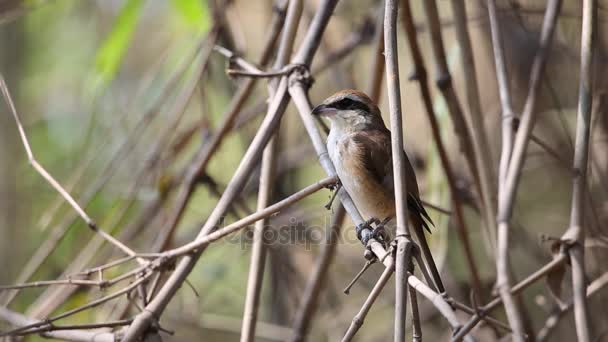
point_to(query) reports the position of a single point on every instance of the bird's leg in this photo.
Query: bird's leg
(364, 230)
(335, 188)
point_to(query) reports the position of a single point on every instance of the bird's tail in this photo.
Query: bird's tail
(416, 208)
(419, 223)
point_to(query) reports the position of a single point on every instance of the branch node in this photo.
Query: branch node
(443, 81)
(300, 73)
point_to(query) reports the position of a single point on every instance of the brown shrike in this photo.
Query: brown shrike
(359, 145)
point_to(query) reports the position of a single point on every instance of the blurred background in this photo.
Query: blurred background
(115, 105)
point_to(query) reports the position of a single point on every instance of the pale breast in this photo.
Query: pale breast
(368, 195)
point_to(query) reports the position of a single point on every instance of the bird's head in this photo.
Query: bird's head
(350, 110)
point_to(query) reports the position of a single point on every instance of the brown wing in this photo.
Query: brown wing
(375, 145)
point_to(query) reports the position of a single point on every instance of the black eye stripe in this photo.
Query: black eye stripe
(349, 104)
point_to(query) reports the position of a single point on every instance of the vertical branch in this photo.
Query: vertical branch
(502, 263)
(504, 93)
(374, 88)
(417, 334)
(258, 251)
(575, 234)
(258, 254)
(528, 117)
(311, 294)
(444, 83)
(481, 147)
(506, 196)
(420, 75)
(404, 245)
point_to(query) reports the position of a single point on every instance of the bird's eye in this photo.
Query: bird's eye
(350, 104)
(344, 104)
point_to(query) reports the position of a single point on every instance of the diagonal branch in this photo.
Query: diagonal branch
(357, 321)
(481, 147)
(551, 322)
(267, 128)
(258, 254)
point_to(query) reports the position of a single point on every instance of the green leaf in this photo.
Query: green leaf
(193, 13)
(112, 50)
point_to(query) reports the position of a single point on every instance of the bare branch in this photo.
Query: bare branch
(551, 322)
(481, 147)
(357, 322)
(506, 197)
(575, 235)
(404, 244)
(76, 336)
(206, 239)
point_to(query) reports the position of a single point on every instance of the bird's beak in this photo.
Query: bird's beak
(323, 110)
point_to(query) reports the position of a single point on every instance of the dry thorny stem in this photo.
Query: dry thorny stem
(160, 273)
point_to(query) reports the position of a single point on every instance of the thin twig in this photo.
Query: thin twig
(126, 146)
(87, 306)
(472, 311)
(47, 176)
(531, 279)
(51, 300)
(554, 318)
(206, 239)
(43, 283)
(19, 320)
(357, 321)
(55, 327)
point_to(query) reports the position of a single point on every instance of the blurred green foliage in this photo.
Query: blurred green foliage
(113, 48)
(194, 13)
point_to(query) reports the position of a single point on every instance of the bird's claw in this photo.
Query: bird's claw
(365, 231)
